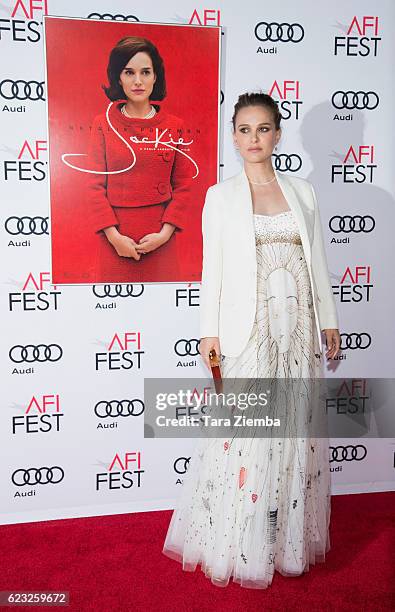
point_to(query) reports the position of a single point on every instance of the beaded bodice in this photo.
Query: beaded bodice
(276, 228)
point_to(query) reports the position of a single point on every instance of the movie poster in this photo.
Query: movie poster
(133, 116)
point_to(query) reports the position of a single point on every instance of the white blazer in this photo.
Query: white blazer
(229, 273)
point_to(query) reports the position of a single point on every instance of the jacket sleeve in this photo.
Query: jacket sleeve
(211, 267)
(326, 306)
(101, 213)
(181, 179)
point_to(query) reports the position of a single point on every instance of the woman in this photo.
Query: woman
(140, 171)
(252, 504)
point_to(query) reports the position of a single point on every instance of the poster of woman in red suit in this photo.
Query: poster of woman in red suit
(141, 165)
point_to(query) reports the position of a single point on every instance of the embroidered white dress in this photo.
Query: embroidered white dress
(253, 505)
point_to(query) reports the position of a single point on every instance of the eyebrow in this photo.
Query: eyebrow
(247, 124)
(144, 68)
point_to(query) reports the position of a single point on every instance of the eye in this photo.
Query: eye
(264, 129)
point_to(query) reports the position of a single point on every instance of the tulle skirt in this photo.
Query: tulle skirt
(253, 505)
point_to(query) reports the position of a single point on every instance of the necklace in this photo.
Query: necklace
(148, 116)
(264, 183)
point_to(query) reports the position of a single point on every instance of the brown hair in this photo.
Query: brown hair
(120, 55)
(257, 99)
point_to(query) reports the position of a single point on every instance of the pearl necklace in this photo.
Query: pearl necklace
(148, 116)
(264, 183)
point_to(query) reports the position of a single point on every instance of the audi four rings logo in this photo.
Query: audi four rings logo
(103, 291)
(34, 476)
(181, 465)
(348, 224)
(187, 347)
(26, 226)
(291, 162)
(110, 17)
(348, 453)
(31, 353)
(355, 341)
(279, 32)
(116, 408)
(355, 100)
(22, 90)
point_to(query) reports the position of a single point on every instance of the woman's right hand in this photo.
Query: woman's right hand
(124, 245)
(205, 346)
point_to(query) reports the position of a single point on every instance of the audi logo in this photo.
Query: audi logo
(116, 408)
(22, 90)
(355, 341)
(181, 465)
(355, 100)
(348, 224)
(26, 226)
(291, 162)
(31, 353)
(222, 97)
(34, 476)
(279, 32)
(187, 347)
(103, 291)
(108, 16)
(348, 453)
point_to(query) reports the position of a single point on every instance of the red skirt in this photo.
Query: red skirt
(160, 265)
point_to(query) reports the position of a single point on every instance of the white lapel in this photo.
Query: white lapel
(244, 208)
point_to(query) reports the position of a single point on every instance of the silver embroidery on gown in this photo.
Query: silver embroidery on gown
(250, 506)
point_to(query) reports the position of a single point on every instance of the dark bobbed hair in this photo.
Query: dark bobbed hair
(120, 55)
(257, 99)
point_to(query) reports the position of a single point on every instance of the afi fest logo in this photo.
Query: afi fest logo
(36, 294)
(289, 102)
(350, 398)
(355, 285)
(357, 166)
(122, 473)
(25, 22)
(41, 415)
(28, 166)
(210, 17)
(123, 353)
(361, 39)
(188, 297)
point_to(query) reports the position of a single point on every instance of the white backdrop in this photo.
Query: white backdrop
(52, 411)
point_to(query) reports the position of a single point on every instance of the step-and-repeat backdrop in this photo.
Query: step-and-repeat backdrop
(74, 358)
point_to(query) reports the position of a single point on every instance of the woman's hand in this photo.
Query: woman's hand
(332, 342)
(205, 346)
(124, 246)
(150, 242)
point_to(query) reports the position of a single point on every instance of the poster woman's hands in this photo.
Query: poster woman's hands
(124, 245)
(150, 242)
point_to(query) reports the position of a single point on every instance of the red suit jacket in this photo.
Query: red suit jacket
(161, 171)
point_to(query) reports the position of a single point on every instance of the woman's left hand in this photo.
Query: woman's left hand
(150, 242)
(332, 342)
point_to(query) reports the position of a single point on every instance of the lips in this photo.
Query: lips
(255, 149)
(137, 90)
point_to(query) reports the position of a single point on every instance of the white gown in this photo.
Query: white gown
(250, 506)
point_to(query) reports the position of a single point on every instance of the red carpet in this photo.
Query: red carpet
(115, 563)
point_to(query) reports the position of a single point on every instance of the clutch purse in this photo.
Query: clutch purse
(216, 370)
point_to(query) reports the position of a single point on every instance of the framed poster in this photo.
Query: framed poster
(133, 120)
